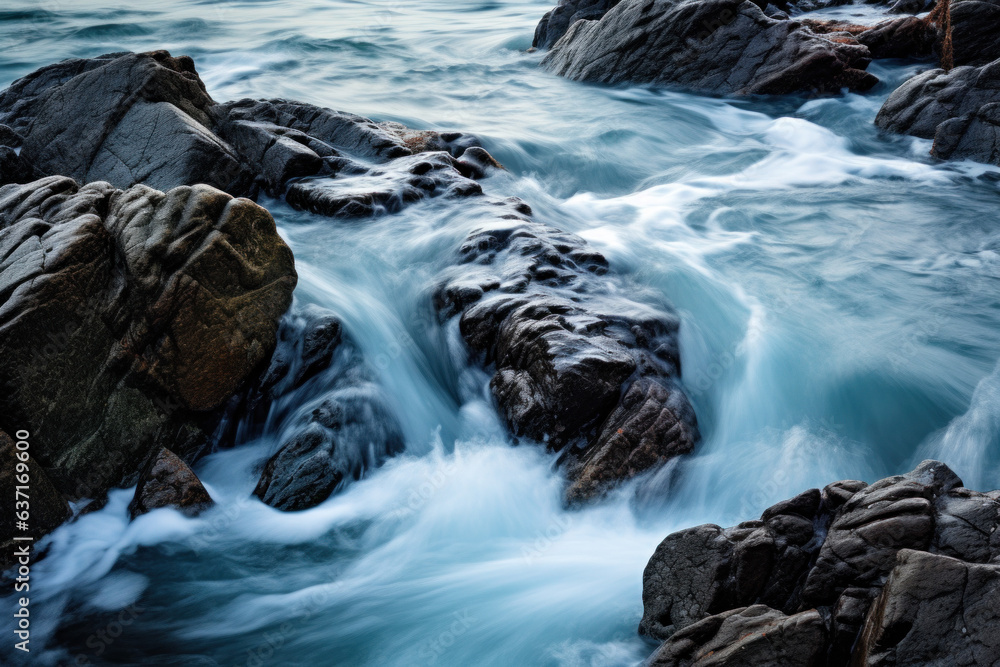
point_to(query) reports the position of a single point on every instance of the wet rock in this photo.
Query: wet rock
(14, 168)
(727, 47)
(905, 37)
(890, 561)
(130, 118)
(756, 636)
(575, 365)
(48, 508)
(975, 26)
(169, 482)
(125, 118)
(934, 610)
(558, 20)
(129, 318)
(334, 421)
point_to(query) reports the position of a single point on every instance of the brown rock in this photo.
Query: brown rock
(168, 482)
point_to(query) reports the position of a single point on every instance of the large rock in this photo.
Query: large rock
(975, 26)
(959, 110)
(128, 319)
(575, 365)
(754, 636)
(725, 47)
(934, 611)
(130, 118)
(904, 37)
(169, 482)
(332, 419)
(833, 551)
(558, 20)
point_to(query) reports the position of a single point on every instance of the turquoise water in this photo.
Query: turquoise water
(839, 300)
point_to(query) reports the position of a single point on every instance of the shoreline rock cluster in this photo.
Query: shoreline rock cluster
(904, 571)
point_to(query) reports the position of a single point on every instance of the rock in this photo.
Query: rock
(129, 318)
(726, 47)
(47, 508)
(125, 118)
(169, 482)
(934, 610)
(975, 25)
(754, 636)
(869, 529)
(14, 168)
(333, 419)
(558, 20)
(905, 37)
(911, 6)
(131, 118)
(583, 369)
(888, 561)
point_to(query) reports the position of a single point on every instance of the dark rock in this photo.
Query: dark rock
(131, 118)
(557, 20)
(129, 318)
(756, 636)
(975, 25)
(48, 508)
(934, 610)
(911, 6)
(333, 419)
(586, 371)
(169, 482)
(833, 552)
(717, 46)
(905, 37)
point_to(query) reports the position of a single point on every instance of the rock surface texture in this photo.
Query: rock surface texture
(558, 20)
(959, 110)
(575, 365)
(727, 47)
(169, 482)
(904, 571)
(130, 118)
(128, 318)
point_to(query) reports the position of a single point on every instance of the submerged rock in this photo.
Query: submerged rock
(727, 47)
(333, 420)
(128, 319)
(833, 551)
(130, 118)
(577, 366)
(169, 482)
(959, 110)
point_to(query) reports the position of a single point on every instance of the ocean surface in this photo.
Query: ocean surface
(840, 300)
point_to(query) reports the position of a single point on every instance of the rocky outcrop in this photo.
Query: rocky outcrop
(887, 562)
(128, 319)
(976, 28)
(575, 365)
(332, 419)
(727, 47)
(959, 110)
(130, 118)
(169, 482)
(905, 37)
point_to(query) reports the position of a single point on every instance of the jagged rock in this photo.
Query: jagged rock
(169, 482)
(332, 431)
(584, 370)
(557, 20)
(975, 26)
(832, 551)
(905, 37)
(125, 118)
(934, 611)
(130, 118)
(716, 46)
(756, 636)
(47, 508)
(128, 318)
(14, 168)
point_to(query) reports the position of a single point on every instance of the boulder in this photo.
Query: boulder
(130, 118)
(558, 20)
(892, 563)
(169, 482)
(933, 611)
(905, 37)
(128, 319)
(959, 109)
(574, 364)
(332, 419)
(726, 47)
(975, 25)
(754, 636)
